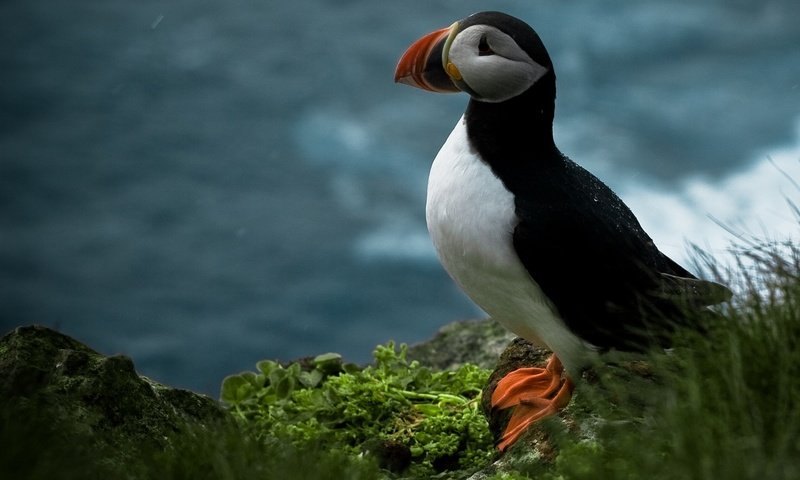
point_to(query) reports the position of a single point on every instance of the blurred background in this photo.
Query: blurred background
(204, 184)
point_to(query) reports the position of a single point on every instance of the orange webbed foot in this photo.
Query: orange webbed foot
(535, 393)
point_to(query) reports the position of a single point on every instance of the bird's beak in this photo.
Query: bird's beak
(423, 64)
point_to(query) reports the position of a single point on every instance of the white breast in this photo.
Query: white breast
(471, 220)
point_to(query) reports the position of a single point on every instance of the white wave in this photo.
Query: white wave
(752, 203)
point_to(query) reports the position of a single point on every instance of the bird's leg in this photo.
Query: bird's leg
(535, 392)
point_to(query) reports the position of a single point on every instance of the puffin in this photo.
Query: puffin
(535, 240)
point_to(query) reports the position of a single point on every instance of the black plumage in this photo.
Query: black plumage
(580, 243)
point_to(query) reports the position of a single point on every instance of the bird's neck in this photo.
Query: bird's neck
(515, 137)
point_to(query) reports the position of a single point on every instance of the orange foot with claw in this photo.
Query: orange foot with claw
(535, 392)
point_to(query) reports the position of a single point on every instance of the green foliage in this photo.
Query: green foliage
(395, 409)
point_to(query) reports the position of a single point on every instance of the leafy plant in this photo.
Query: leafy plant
(401, 413)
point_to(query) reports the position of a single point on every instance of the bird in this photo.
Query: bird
(538, 242)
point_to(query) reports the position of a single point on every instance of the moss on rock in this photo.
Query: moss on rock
(479, 342)
(81, 406)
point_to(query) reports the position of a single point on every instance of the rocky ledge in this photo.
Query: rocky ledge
(93, 416)
(83, 410)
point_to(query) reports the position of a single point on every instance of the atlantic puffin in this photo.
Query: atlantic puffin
(535, 240)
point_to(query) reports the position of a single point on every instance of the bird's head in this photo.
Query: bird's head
(489, 55)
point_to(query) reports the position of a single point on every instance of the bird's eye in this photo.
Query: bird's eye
(483, 47)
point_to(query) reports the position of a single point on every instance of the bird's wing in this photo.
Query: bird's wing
(691, 291)
(610, 283)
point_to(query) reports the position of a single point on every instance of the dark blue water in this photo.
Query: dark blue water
(203, 184)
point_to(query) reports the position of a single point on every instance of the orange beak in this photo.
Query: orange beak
(421, 65)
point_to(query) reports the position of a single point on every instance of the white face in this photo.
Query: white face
(492, 64)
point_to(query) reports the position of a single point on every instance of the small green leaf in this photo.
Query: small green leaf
(252, 379)
(293, 370)
(428, 409)
(310, 379)
(266, 366)
(235, 389)
(328, 363)
(276, 375)
(327, 357)
(284, 387)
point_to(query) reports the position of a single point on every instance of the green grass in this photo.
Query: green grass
(37, 444)
(728, 402)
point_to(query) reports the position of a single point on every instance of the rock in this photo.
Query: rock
(471, 341)
(519, 354)
(72, 404)
(617, 378)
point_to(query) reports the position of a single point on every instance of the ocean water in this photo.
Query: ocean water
(203, 184)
